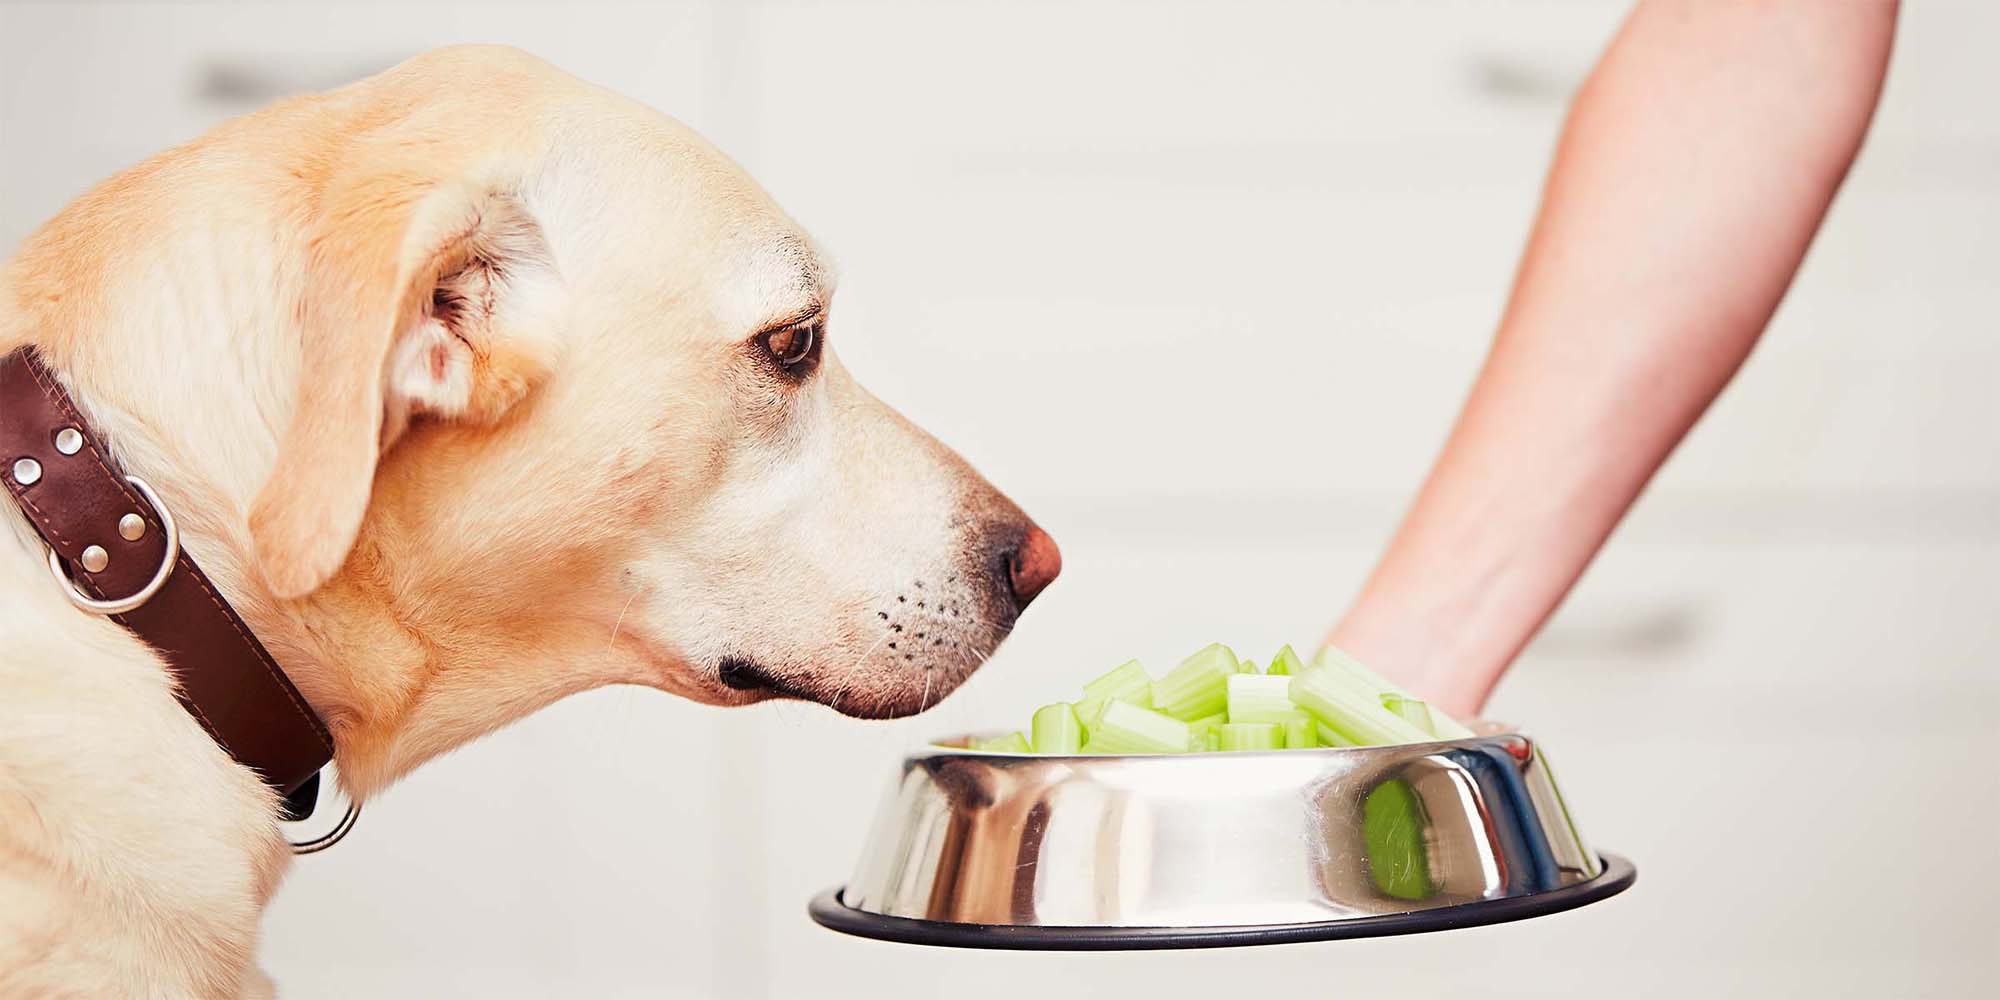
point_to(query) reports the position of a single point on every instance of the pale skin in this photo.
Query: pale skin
(1697, 163)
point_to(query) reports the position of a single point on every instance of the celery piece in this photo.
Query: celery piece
(1284, 662)
(1088, 712)
(1426, 717)
(1127, 728)
(1442, 726)
(1247, 667)
(1392, 834)
(1214, 741)
(1201, 729)
(1349, 707)
(1013, 742)
(1329, 737)
(1336, 658)
(1299, 734)
(1448, 728)
(1127, 681)
(1250, 736)
(1259, 698)
(1412, 710)
(1057, 729)
(1199, 686)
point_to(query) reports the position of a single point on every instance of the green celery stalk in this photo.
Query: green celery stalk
(1299, 734)
(1013, 742)
(1259, 698)
(1128, 728)
(1442, 725)
(1448, 728)
(1250, 736)
(1349, 707)
(1127, 681)
(1056, 729)
(1199, 686)
(1329, 737)
(1200, 729)
(1247, 667)
(1336, 658)
(1284, 662)
(1412, 710)
(1088, 712)
(1426, 717)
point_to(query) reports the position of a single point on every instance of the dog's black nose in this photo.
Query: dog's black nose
(1032, 565)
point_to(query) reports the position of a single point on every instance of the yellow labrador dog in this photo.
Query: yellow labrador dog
(472, 386)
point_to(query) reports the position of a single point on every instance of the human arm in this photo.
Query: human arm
(1696, 165)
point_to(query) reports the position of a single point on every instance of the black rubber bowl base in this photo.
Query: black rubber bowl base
(828, 911)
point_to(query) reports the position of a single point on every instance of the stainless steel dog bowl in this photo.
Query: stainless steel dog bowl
(996, 850)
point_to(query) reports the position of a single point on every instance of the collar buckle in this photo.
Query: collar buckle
(137, 600)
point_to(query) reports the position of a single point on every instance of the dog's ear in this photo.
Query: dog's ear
(421, 298)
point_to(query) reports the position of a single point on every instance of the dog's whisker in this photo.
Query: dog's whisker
(847, 677)
(620, 623)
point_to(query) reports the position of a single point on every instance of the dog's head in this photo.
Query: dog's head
(568, 411)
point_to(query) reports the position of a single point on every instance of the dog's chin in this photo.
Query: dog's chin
(856, 699)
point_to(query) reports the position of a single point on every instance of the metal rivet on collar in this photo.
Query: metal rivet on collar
(131, 527)
(69, 440)
(27, 472)
(94, 559)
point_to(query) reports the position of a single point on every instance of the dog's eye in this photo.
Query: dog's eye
(795, 347)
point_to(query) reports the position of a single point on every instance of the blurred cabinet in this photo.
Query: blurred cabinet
(88, 89)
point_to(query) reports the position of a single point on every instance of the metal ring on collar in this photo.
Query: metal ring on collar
(331, 837)
(137, 600)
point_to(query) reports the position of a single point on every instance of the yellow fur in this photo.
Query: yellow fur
(451, 378)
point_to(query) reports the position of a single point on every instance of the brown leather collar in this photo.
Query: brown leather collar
(111, 544)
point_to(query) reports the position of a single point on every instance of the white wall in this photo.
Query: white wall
(1243, 257)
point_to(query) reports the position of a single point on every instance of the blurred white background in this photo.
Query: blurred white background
(1200, 284)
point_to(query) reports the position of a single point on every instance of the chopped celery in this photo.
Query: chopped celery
(1337, 658)
(1215, 655)
(1329, 737)
(1334, 702)
(1259, 698)
(1448, 728)
(1299, 734)
(1013, 742)
(1412, 710)
(1057, 729)
(1250, 736)
(1426, 717)
(1441, 725)
(1284, 662)
(1349, 707)
(1444, 727)
(1128, 728)
(1199, 686)
(1201, 729)
(1088, 712)
(1127, 681)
